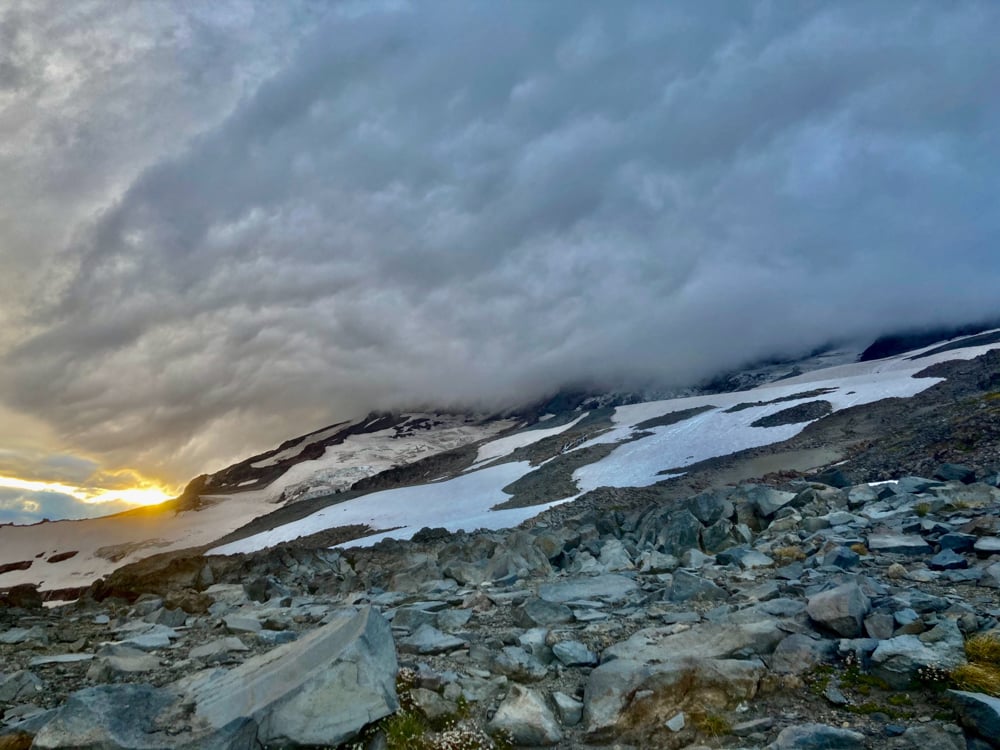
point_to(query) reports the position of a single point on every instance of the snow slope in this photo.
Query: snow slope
(506, 445)
(460, 503)
(133, 536)
(465, 501)
(717, 433)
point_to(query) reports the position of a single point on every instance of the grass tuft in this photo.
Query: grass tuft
(984, 648)
(712, 725)
(977, 678)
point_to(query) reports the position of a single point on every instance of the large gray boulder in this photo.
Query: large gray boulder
(673, 532)
(627, 698)
(841, 609)
(109, 717)
(319, 690)
(978, 712)
(899, 660)
(766, 500)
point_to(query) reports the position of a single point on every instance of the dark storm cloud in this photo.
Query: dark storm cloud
(474, 203)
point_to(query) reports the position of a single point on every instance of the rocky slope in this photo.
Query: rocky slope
(745, 605)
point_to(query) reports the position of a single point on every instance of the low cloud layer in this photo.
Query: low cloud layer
(227, 227)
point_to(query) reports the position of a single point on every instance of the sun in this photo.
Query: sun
(143, 496)
(148, 494)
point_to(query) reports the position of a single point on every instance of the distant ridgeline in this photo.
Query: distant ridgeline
(891, 344)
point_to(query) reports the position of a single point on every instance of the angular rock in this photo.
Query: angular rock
(957, 542)
(689, 587)
(842, 557)
(915, 485)
(987, 545)
(946, 737)
(237, 624)
(799, 653)
(955, 473)
(525, 717)
(611, 588)
(947, 559)
(109, 717)
(626, 697)
(432, 705)
(519, 665)
(718, 536)
(841, 609)
(673, 533)
(745, 557)
(218, 647)
(614, 556)
(19, 686)
(429, 640)
(707, 641)
(766, 500)
(901, 544)
(879, 625)
(574, 654)
(570, 710)
(977, 712)
(817, 737)
(538, 612)
(320, 690)
(899, 660)
(710, 507)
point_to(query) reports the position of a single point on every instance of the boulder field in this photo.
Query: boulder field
(798, 615)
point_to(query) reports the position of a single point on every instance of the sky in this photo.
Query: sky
(224, 224)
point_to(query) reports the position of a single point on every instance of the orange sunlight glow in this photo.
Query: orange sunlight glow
(150, 494)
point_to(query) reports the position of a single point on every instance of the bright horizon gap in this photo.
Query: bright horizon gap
(152, 494)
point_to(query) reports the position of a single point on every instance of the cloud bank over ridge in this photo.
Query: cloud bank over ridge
(232, 226)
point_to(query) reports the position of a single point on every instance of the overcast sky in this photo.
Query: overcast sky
(223, 224)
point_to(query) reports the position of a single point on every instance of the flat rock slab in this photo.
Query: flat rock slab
(708, 641)
(218, 646)
(987, 545)
(818, 737)
(610, 588)
(900, 544)
(430, 640)
(39, 661)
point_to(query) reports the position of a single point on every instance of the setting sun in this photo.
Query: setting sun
(150, 494)
(136, 496)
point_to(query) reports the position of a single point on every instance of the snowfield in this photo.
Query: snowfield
(464, 503)
(507, 445)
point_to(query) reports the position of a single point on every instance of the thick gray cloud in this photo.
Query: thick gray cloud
(233, 228)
